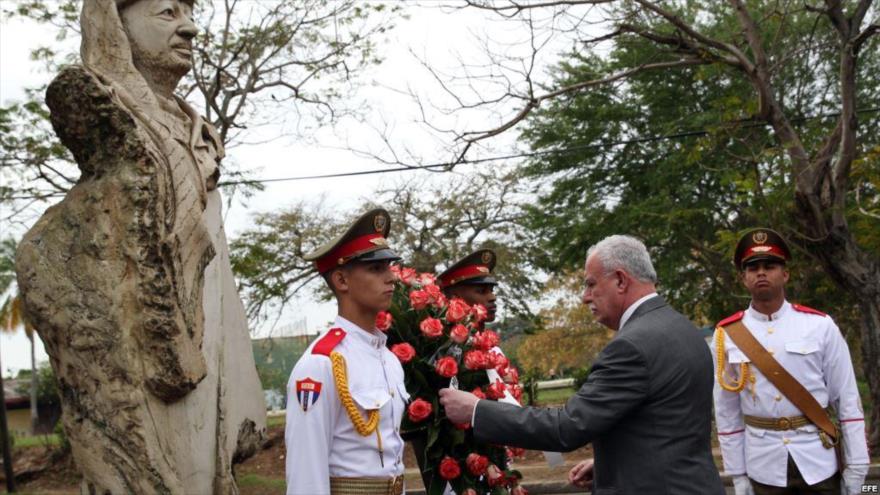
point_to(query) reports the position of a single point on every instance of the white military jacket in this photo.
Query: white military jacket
(321, 439)
(811, 348)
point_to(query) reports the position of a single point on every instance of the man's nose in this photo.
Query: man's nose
(188, 29)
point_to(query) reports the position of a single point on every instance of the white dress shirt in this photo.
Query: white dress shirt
(812, 349)
(632, 309)
(322, 441)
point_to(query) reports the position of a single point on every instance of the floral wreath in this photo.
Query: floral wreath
(441, 342)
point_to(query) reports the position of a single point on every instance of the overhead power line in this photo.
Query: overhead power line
(477, 161)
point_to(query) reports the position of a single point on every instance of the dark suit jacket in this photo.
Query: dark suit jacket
(646, 407)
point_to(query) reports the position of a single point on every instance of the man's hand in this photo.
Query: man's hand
(581, 475)
(459, 405)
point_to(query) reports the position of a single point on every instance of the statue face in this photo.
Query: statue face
(160, 33)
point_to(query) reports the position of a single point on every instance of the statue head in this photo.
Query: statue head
(160, 33)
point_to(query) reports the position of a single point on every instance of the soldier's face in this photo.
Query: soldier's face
(368, 285)
(477, 294)
(604, 293)
(160, 33)
(765, 280)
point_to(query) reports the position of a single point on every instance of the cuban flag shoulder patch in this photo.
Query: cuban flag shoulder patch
(307, 393)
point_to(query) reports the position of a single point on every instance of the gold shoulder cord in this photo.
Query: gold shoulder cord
(363, 427)
(743, 367)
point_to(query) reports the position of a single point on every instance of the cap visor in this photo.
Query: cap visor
(378, 255)
(763, 257)
(487, 280)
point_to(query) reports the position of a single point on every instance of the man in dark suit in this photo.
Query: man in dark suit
(647, 403)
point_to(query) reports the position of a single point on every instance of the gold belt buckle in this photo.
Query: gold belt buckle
(783, 423)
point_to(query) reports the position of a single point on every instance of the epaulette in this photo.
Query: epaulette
(805, 309)
(325, 345)
(732, 318)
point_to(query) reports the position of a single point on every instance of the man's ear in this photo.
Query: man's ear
(622, 280)
(339, 280)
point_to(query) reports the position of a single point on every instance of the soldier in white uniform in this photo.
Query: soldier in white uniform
(767, 443)
(346, 395)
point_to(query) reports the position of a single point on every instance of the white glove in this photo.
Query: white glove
(853, 479)
(742, 485)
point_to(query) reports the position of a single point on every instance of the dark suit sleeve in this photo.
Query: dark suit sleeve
(618, 382)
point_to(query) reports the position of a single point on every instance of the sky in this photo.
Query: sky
(444, 38)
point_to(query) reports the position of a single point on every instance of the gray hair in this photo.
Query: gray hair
(623, 252)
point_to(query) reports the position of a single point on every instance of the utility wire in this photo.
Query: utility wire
(584, 147)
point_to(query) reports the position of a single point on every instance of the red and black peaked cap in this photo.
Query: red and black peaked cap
(474, 269)
(365, 240)
(760, 244)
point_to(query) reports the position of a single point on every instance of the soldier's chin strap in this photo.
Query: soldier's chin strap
(782, 380)
(362, 426)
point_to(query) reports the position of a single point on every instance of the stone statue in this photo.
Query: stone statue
(128, 279)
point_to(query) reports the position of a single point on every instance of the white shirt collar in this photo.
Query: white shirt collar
(752, 312)
(632, 309)
(375, 339)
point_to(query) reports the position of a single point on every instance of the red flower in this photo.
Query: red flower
(486, 340)
(449, 469)
(407, 275)
(383, 320)
(479, 393)
(476, 360)
(440, 301)
(419, 410)
(431, 327)
(446, 367)
(477, 464)
(499, 361)
(418, 299)
(495, 475)
(426, 279)
(516, 391)
(457, 310)
(404, 352)
(435, 295)
(510, 375)
(514, 452)
(479, 312)
(459, 334)
(496, 390)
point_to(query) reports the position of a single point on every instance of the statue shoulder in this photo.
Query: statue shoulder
(90, 122)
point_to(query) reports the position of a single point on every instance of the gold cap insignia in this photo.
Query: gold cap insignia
(487, 257)
(379, 222)
(759, 237)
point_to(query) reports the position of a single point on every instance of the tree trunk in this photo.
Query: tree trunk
(870, 357)
(4, 439)
(35, 415)
(857, 272)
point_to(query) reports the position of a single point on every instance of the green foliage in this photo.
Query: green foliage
(694, 169)
(275, 358)
(47, 386)
(431, 227)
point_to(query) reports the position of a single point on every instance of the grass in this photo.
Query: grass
(262, 484)
(555, 396)
(275, 421)
(51, 440)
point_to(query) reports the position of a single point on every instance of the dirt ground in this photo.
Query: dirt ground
(41, 470)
